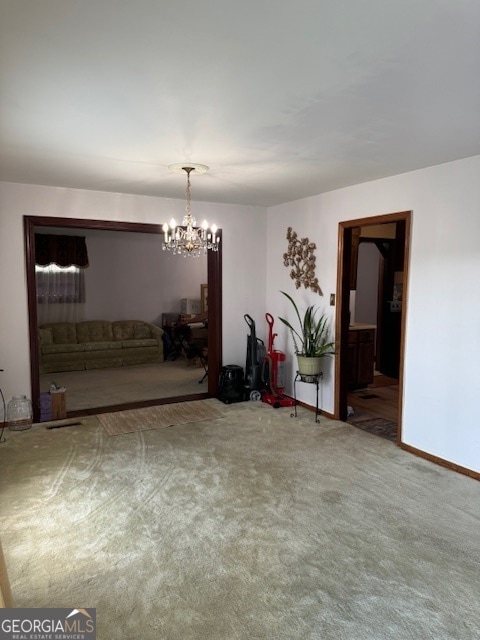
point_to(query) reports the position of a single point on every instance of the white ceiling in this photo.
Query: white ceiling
(281, 98)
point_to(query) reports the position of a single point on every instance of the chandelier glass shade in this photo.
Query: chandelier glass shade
(188, 239)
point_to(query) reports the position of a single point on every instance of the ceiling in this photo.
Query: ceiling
(282, 99)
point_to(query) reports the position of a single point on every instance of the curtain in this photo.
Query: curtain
(65, 251)
(60, 294)
(60, 277)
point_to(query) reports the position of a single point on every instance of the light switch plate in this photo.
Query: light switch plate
(395, 305)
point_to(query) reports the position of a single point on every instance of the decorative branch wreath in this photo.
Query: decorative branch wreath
(300, 257)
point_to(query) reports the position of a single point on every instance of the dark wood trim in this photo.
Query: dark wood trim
(214, 271)
(136, 405)
(342, 321)
(32, 316)
(406, 263)
(343, 299)
(380, 314)
(383, 218)
(440, 461)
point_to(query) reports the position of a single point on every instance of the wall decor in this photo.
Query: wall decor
(301, 258)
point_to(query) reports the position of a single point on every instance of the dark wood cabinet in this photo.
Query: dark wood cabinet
(361, 355)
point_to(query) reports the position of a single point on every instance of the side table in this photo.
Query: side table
(311, 379)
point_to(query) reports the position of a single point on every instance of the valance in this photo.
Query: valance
(65, 251)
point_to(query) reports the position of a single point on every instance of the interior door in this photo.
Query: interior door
(343, 303)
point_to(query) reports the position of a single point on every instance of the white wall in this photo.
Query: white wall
(442, 356)
(130, 277)
(244, 238)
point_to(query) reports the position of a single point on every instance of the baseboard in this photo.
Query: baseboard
(440, 461)
(321, 411)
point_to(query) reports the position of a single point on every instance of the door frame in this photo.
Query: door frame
(214, 279)
(342, 321)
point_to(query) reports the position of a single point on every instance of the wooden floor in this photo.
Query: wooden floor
(379, 399)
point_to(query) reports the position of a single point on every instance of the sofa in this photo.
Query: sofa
(98, 344)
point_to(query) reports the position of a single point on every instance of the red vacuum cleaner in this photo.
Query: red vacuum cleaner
(274, 372)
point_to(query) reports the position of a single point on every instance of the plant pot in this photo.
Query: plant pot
(309, 366)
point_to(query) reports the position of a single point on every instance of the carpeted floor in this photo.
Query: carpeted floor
(122, 385)
(160, 417)
(253, 526)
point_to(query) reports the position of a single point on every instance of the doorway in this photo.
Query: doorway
(214, 282)
(390, 327)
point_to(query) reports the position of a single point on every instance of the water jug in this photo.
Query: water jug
(19, 413)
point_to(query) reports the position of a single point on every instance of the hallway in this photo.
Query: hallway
(375, 408)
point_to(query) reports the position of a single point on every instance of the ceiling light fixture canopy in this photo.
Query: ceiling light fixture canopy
(188, 239)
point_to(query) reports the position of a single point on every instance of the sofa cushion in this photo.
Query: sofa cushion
(123, 330)
(132, 344)
(45, 336)
(62, 332)
(141, 332)
(94, 331)
(102, 346)
(62, 348)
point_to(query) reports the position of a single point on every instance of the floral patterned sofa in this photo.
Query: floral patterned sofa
(98, 344)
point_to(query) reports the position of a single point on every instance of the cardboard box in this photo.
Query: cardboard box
(59, 404)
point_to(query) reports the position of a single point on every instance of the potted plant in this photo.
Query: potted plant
(311, 341)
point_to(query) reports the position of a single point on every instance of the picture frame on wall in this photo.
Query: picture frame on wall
(204, 298)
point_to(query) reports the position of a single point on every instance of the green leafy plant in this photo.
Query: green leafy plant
(312, 338)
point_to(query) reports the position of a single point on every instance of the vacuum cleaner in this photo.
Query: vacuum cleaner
(254, 363)
(231, 385)
(273, 372)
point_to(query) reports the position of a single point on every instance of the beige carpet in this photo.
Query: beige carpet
(257, 526)
(121, 385)
(157, 417)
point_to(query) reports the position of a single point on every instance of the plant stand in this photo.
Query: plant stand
(310, 379)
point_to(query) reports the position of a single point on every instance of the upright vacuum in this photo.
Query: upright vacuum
(273, 372)
(254, 362)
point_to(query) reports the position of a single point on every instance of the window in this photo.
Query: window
(59, 284)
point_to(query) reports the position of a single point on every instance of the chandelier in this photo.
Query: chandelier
(187, 239)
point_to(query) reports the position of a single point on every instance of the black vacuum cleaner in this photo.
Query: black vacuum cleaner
(254, 364)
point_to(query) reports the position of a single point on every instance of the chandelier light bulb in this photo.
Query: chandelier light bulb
(165, 233)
